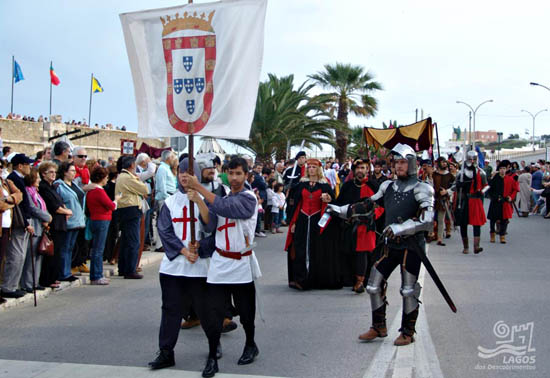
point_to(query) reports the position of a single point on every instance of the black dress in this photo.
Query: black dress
(312, 257)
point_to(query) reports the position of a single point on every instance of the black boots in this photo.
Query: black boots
(211, 368)
(165, 358)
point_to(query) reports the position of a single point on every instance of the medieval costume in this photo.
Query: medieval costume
(469, 188)
(309, 252)
(503, 189)
(358, 239)
(291, 178)
(182, 282)
(409, 212)
(233, 269)
(442, 180)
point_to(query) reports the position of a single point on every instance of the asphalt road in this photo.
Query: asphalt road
(309, 334)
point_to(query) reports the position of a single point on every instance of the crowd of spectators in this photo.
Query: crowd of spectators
(73, 122)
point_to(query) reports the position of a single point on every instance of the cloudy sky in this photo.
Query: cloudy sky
(426, 54)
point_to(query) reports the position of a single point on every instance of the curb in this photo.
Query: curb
(147, 258)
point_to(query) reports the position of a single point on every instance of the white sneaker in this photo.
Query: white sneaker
(260, 234)
(102, 281)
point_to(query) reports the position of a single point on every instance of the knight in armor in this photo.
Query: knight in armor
(470, 187)
(409, 213)
(503, 189)
(358, 238)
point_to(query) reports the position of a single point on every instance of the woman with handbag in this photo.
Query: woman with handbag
(73, 198)
(101, 208)
(58, 229)
(40, 219)
(9, 197)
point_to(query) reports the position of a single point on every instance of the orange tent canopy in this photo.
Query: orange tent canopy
(419, 136)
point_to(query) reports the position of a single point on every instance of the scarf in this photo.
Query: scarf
(36, 198)
(84, 173)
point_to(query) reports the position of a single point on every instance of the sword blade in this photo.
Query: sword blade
(430, 269)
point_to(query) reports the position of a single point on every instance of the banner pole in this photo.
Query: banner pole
(51, 65)
(191, 170)
(90, 106)
(12, 80)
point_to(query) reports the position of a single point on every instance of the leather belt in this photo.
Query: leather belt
(233, 255)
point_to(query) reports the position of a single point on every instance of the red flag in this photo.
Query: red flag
(55, 80)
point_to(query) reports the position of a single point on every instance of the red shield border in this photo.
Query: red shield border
(208, 42)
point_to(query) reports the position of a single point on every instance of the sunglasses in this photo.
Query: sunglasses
(82, 156)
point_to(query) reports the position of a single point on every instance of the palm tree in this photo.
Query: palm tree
(351, 89)
(285, 116)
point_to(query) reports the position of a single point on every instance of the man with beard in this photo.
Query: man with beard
(503, 189)
(359, 239)
(409, 213)
(470, 184)
(442, 181)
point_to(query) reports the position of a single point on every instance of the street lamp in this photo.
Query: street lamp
(534, 116)
(474, 111)
(499, 140)
(539, 85)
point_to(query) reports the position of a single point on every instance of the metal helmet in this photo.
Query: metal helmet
(403, 151)
(471, 159)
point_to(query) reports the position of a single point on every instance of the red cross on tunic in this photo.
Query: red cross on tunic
(226, 228)
(184, 220)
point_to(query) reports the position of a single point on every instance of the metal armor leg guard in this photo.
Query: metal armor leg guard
(375, 289)
(410, 290)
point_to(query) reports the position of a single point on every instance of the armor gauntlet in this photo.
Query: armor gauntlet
(424, 195)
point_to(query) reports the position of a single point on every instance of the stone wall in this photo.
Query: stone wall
(31, 137)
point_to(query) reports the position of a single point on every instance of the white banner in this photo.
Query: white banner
(196, 67)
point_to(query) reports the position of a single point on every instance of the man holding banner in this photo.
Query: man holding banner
(196, 70)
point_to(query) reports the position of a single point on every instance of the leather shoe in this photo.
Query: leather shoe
(69, 279)
(165, 358)
(13, 294)
(190, 323)
(228, 325)
(249, 354)
(211, 368)
(219, 353)
(133, 276)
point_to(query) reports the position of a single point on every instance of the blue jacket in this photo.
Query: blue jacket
(70, 199)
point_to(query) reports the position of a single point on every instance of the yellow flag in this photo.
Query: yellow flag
(96, 87)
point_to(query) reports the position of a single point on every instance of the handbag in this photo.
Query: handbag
(18, 220)
(45, 246)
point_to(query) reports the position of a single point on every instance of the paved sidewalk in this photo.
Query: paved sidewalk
(147, 258)
(35, 369)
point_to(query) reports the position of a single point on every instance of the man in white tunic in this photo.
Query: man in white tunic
(184, 268)
(233, 266)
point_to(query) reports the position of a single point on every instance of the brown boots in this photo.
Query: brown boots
(477, 248)
(493, 237)
(359, 284)
(465, 244)
(378, 328)
(408, 325)
(502, 239)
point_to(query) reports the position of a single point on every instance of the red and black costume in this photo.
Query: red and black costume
(502, 191)
(305, 260)
(358, 241)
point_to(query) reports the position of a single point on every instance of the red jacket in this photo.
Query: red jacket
(99, 204)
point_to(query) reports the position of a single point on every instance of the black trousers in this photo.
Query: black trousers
(408, 260)
(244, 296)
(178, 293)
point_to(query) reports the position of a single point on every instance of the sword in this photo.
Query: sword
(516, 208)
(448, 212)
(429, 267)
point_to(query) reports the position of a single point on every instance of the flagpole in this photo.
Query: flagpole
(12, 80)
(90, 107)
(191, 158)
(51, 65)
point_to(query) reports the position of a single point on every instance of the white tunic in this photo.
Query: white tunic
(179, 206)
(231, 236)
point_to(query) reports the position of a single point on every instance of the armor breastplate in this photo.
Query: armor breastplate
(311, 201)
(399, 206)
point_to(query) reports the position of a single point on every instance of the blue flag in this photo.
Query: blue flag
(17, 73)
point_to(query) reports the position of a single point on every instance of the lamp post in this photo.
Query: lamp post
(534, 116)
(474, 112)
(539, 85)
(499, 140)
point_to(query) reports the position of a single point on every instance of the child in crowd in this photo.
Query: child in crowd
(278, 203)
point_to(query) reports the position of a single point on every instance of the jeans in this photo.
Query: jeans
(130, 220)
(66, 253)
(276, 219)
(99, 231)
